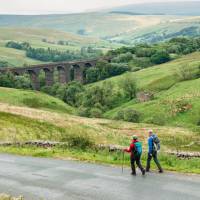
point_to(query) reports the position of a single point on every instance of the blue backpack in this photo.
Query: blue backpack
(138, 148)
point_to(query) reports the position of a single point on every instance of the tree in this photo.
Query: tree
(129, 86)
(72, 92)
(160, 57)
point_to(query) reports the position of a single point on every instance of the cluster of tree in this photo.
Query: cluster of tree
(52, 55)
(93, 101)
(105, 70)
(91, 51)
(3, 64)
(59, 42)
(145, 55)
(11, 81)
(18, 45)
(183, 45)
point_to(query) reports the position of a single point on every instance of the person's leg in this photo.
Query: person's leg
(155, 157)
(148, 162)
(133, 166)
(138, 162)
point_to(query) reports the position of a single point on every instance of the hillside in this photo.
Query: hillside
(21, 124)
(43, 38)
(32, 99)
(164, 81)
(98, 24)
(187, 8)
(110, 25)
(179, 26)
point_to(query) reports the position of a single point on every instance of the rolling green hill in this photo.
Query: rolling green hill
(30, 115)
(98, 24)
(189, 8)
(33, 99)
(164, 81)
(179, 26)
(21, 124)
(121, 27)
(43, 38)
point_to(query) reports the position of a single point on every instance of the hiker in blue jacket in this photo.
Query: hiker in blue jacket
(153, 148)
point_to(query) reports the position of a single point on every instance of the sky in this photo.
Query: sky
(62, 6)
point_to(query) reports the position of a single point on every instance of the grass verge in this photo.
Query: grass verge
(168, 162)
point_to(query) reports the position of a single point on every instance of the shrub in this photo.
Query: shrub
(129, 115)
(84, 112)
(123, 58)
(180, 106)
(3, 64)
(186, 73)
(78, 141)
(160, 57)
(120, 115)
(71, 93)
(129, 86)
(96, 113)
(159, 119)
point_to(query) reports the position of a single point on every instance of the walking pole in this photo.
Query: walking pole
(122, 162)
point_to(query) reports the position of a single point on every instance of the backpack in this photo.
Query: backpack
(138, 149)
(156, 143)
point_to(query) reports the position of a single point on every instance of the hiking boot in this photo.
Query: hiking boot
(160, 171)
(143, 172)
(132, 173)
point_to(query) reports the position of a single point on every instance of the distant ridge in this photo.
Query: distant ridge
(166, 8)
(133, 13)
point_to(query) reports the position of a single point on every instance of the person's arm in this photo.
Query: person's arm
(150, 144)
(128, 150)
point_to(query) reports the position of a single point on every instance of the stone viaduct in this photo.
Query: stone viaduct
(67, 71)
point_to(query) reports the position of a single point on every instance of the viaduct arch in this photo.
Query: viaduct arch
(67, 71)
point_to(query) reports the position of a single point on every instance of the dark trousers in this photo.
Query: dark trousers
(155, 158)
(136, 159)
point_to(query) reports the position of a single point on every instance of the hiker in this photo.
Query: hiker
(153, 148)
(136, 151)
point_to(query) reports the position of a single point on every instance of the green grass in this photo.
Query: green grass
(188, 90)
(164, 82)
(98, 24)
(159, 77)
(173, 26)
(33, 99)
(34, 124)
(35, 36)
(170, 163)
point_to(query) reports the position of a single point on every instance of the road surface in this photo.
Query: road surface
(49, 179)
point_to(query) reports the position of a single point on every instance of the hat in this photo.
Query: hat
(135, 137)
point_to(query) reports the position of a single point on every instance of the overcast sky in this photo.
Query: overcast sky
(62, 6)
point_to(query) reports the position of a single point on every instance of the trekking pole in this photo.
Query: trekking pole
(122, 162)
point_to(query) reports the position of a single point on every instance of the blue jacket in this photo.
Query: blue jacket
(150, 143)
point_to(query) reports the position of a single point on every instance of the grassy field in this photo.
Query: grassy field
(113, 26)
(98, 24)
(20, 124)
(35, 38)
(177, 26)
(33, 99)
(102, 30)
(165, 83)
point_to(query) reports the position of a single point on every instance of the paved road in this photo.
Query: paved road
(38, 178)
